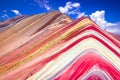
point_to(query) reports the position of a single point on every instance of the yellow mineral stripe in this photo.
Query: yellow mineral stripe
(71, 54)
(79, 25)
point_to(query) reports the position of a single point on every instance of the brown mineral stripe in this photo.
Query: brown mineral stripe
(48, 46)
(24, 29)
(48, 23)
(60, 18)
(41, 50)
(13, 20)
(18, 27)
(13, 38)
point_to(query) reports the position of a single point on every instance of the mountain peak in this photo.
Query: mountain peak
(53, 46)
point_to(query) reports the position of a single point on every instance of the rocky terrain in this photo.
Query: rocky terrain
(52, 46)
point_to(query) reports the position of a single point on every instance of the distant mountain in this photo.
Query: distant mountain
(51, 46)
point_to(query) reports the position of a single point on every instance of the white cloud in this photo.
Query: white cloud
(115, 28)
(71, 8)
(44, 4)
(63, 10)
(99, 18)
(69, 5)
(47, 7)
(16, 12)
(76, 4)
(5, 16)
(80, 14)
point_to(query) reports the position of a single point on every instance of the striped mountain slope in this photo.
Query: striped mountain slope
(117, 36)
(8, 23)
(53, 47)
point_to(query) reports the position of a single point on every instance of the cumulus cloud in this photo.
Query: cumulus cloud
(114, 28)
(16, 12)
(99, 18)
(71, 8)
(43, 4)
(68, 6)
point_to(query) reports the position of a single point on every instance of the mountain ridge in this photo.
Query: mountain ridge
(53, 46)
(4, 25)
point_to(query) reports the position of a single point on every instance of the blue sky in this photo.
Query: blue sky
(104, 12)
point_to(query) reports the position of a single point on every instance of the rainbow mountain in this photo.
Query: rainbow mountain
(52, 46)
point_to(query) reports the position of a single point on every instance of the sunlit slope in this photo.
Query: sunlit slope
(52, 46)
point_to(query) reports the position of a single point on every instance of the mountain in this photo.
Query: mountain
(8, 23)
(117, 36)
(51, 46)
